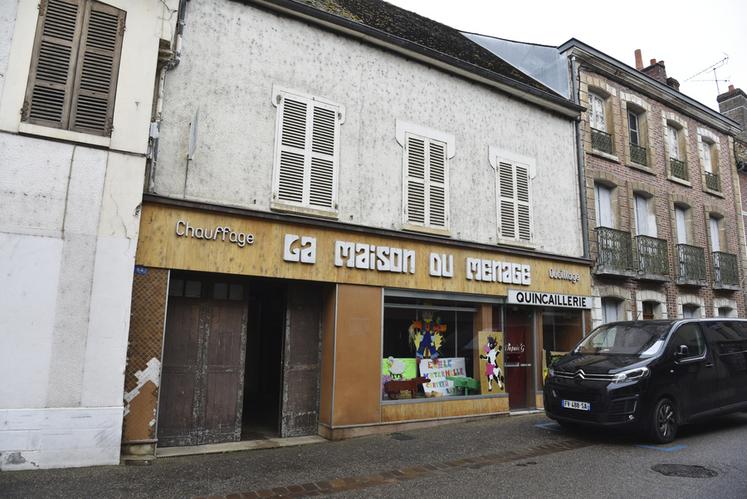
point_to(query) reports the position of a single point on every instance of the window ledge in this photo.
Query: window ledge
(514, 242)
(636, 166)
(604, 155)
(679, 181)
(426, 230)
(66, 135)
(304, 210)
(718, 194)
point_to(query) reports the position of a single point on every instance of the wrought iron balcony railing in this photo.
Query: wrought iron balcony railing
(601, 141)
(638, 155)
(725, 270)
(678, 169)
(691, 265)
(653, 257)
(712, 181)
(615, 254)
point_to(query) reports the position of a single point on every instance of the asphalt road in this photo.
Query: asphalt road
(522, 456)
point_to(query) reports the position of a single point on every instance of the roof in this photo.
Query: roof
(385, 24)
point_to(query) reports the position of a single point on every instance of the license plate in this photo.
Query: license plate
(573, 404)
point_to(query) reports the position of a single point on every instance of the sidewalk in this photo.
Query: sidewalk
(359, 465)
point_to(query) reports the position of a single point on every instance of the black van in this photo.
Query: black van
(651, 375)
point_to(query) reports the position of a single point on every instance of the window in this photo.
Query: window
(610, 310)
(709, 159)
(634, 132)
(514, 209)
(426, 182)
(636, 135)
(690, 336)
(645, 217)
(597, 113)
(707, 152)
(604, 213)
(726, 312)
(74, 66)
(673, 142)
(690, 311)
(306, 152)
(650, 309)
(716, 232)
(682, 221)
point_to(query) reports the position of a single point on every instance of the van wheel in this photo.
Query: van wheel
(663, 422)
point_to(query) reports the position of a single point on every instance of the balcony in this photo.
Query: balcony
(712, 181)
(601, 141)
(725, 271)
(653, 258)
(691, 265)
(614, 255)
(638, 155)
(678, 169)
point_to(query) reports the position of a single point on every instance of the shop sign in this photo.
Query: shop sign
(564, 275)
(218, 233)
(519, 297)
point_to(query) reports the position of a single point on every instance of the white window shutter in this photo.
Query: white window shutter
(597, 118)
(523, 206)
(291, 163)
(506, 200)
(415, 180)
(706, 155)
(674, 146)
(437, 195)
(322, 177)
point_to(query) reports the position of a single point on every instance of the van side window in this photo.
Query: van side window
(729, 337)
(690, 336)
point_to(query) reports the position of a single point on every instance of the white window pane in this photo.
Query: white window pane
(644, 217)
(715, 234)
(681, 219)
(610, 310)
(707, 157)
(604, 206)
(674, 147)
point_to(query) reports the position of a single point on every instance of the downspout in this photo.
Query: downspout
(168, 59)
(580, 159)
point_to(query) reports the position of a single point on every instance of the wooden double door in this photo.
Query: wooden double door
(202, 374)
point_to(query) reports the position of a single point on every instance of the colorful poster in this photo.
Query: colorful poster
(491, 373)
(437, 371)
(398, 368)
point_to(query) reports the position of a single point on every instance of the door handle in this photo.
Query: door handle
(709, 364)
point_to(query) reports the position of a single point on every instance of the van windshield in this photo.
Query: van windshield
(642, 340)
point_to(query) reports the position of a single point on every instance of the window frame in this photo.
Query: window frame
(427, 183)
(279, 97)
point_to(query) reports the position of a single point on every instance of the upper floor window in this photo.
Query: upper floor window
(601, 137)
(645, 215)
(709, 159)
(673, 142)
(74, 66)
(604, 205)
(637, 135)
(426, 182)
(683, 223)
(306, 152)
(716, 232)
(514, 207)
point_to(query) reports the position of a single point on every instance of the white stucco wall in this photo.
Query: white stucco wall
(68, 233)
(232, 56)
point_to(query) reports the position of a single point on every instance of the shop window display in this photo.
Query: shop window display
(561, 331)
(434, 349)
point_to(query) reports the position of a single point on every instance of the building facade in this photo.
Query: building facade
(77, 80)
(661, 185)
(349, 226)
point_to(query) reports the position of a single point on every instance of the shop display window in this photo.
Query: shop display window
(438, 349)
(561, 331)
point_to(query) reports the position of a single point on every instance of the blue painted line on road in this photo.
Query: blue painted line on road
(549, 426)
(673, 448)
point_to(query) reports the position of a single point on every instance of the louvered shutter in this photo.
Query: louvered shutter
(98, 66)
(322, 168)
(514, 203)
(523, 207)
(51, 76)
(291, 164)
(416, 171)
(436, 195)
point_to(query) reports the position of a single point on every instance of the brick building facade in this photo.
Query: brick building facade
(662, 192)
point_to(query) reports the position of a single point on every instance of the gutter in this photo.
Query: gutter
(423, 54)
(580, 159)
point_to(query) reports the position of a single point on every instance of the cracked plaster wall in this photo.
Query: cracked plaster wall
(234, 55)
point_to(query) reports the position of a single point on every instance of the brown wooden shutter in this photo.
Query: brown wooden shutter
(51, 76)
(96, 76)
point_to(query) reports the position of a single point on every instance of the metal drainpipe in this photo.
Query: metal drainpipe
(580, 159)
(172, 63)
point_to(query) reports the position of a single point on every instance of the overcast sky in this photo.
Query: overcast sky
(688, 36)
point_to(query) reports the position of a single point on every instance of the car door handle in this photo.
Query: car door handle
(709, 364)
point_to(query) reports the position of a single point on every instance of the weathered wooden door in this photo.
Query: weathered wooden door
(203, 371)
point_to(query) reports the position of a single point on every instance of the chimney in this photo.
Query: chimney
(657, 71)
(673, 83)
(733, 104)
(638, 59)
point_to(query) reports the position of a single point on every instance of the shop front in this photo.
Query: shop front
(247, 325)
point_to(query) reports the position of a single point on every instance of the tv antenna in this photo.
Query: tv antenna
(713, 67)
